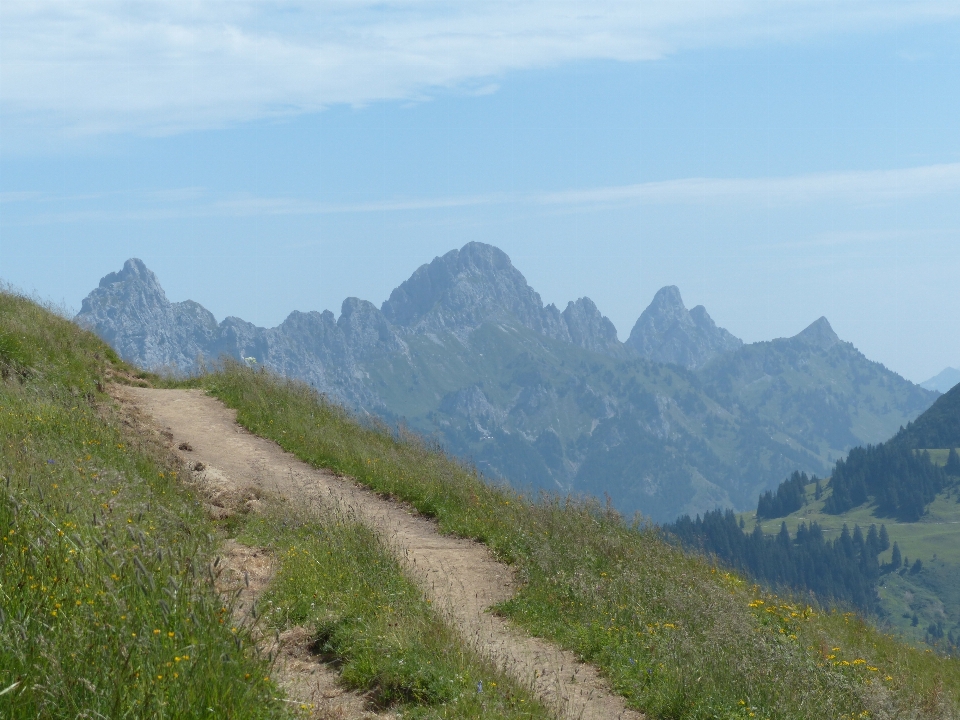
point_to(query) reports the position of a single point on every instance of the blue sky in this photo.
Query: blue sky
(778, 161)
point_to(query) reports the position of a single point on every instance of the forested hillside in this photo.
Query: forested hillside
(898, 476)
(911, 483)
(845, 569)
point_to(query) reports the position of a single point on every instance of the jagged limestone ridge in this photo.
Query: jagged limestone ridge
(667, 332)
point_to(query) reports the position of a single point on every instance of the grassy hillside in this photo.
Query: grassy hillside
(105, 604)
(108, 605)
(933, 594)
(678, 637)
(922, 601)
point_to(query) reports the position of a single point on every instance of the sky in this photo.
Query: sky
(777, 161)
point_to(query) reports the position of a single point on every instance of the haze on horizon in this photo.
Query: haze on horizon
(776, 162)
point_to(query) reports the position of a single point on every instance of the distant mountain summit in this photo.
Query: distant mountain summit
(667, 332)
(943, 381)
(462, 290)
(477, 284)
(818, 334)
(131, 312)
(681, 419)
(455, 294)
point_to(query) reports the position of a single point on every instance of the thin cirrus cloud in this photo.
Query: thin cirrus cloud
(160, 67)
(853, 188)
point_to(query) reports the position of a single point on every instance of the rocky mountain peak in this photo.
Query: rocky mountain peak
(365, 328)
(134, 272)
(668, 301)
(588, 328)
(463, 289)
(818, 334)
(130, 311)
(667, 332)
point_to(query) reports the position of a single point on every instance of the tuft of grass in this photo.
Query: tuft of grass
(337, 578)
(676, 636)
(106, 604)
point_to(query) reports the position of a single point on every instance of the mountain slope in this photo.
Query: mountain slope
(938, 427)
(930, 589)
(943, 381)
(818, 394)
(677, 636)
(918, 574)
(465, 350)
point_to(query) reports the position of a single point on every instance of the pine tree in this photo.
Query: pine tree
(857, 537)
(895, 560)
(873, 541)
(884, 538)
(953, 463)
(784, 536)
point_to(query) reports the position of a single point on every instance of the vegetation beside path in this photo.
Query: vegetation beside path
(107, 607)
(108, 604)
(676, 636)
(338, 579)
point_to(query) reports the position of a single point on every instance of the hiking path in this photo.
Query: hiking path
(461, 578)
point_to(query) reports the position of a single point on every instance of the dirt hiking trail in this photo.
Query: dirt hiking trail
(460, 577)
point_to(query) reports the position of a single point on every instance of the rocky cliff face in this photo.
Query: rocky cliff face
(667, 332)
(131, 312)
(818, 334)
(463, 289)
(477, 284)
(454, 294)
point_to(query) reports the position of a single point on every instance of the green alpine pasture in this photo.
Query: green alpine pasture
(337, 578)
(912, 603)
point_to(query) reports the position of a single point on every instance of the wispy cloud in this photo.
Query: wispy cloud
(849, 188)
(162, 67)
(856, 187)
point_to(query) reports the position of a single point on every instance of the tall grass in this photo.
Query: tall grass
(106, 605)
(676, 636)
(338, 579)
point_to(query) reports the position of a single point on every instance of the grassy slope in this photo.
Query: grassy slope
(105, 604)
(108, 609)
(934, 594)
(338, 579)
(677, 637)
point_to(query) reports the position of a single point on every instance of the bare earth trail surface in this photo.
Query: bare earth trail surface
(460, 577)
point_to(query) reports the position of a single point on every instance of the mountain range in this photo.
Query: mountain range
(683, 417)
